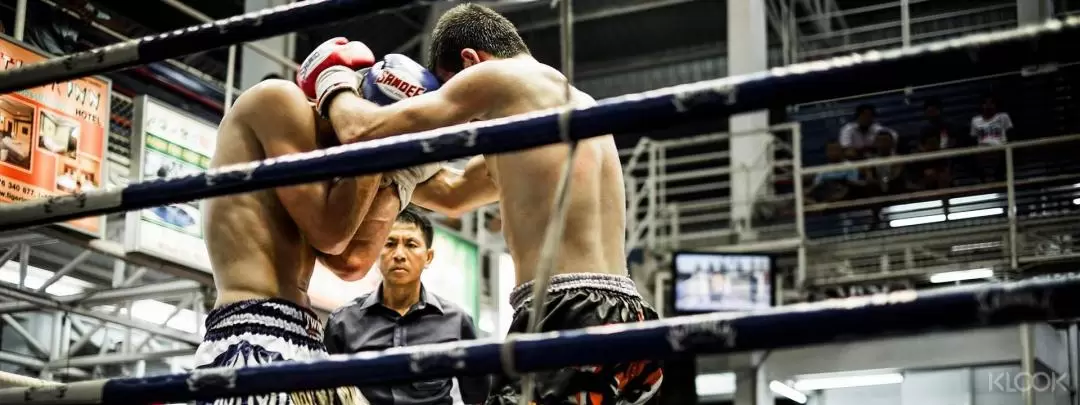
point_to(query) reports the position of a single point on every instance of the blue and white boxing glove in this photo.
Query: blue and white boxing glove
(397, 77)
(394, 78)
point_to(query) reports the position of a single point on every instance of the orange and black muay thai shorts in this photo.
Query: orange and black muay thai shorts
(578, 301)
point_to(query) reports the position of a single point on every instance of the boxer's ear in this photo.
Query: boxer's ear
(469, 57)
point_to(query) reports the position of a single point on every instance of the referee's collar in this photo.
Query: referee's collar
(426, 299)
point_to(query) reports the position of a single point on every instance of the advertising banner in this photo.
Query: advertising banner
(167, 142)
(52, 138)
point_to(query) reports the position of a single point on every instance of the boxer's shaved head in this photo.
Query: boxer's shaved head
(471, 26)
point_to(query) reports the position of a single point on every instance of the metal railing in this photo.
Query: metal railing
(660, 218)
(671, 203)
(890, 24)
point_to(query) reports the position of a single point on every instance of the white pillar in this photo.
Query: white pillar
(751, 151)
(1033, 11)
(752, 387)
(255, 66)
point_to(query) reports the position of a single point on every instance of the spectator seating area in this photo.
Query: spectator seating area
(1041, 102)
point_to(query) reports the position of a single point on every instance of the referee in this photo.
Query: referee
(401, 312)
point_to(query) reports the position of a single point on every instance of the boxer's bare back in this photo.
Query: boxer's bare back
(265, 244)
(523, 182)
(595, 223)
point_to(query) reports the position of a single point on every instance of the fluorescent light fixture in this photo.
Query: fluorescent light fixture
(962, 275)
(987, 212)
(785, 391)
(975, 246)
(928, 219)
(825, 383)
(974, 198)
(715, 384)
(1076, 201)
(925, 205)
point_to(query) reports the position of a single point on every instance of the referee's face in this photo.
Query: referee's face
(405, 254)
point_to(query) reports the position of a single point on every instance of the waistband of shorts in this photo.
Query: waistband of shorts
(522, 294)
(271, 316)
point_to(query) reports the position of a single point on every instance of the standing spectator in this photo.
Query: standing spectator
(401, 312)
(991, 127)
(938, 126)
(857, 137)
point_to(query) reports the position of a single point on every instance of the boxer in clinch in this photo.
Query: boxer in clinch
(487, 72)
(264, 245)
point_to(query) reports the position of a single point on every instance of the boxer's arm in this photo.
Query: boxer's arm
(327, 213)
(364, 247)
(453, 193)
(467, 96)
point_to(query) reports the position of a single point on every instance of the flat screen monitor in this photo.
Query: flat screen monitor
(715, 282)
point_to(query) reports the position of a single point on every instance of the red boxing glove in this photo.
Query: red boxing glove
(323, 73)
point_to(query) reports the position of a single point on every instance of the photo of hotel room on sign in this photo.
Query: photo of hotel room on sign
(16, 122)
(59, 135)
(75, 175)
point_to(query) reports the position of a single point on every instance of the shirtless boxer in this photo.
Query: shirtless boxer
(263, 245)
(489, 73)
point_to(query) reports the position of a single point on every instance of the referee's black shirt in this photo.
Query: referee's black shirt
(365, 324)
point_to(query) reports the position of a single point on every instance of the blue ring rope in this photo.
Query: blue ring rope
(247, 27)
(969, 56)
(843, 320)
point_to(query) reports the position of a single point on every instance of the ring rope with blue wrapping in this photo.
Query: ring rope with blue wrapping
(975, 54)
(834, 321)
(247, 27)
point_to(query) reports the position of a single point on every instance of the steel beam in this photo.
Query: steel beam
(16, 237)
(288, 63)
(21, 360)
(58, 259)
(20, 19)
(111, 359)
(47, 303)
(8, 255)
(77, 260)
(35, 364)
(118, 269)
(117, 251)
(31, 341)
(166, 289)
(604, 13)
(24, 263)
(176, 311)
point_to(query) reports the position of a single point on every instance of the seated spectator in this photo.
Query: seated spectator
(838, 185)
(857, 137)
(886, 178)
(991, 127)
(929, 174)
(938, 126)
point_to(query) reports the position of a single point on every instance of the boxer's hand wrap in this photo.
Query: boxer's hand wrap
(397, 77)
(331, 82)
(407, 179)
